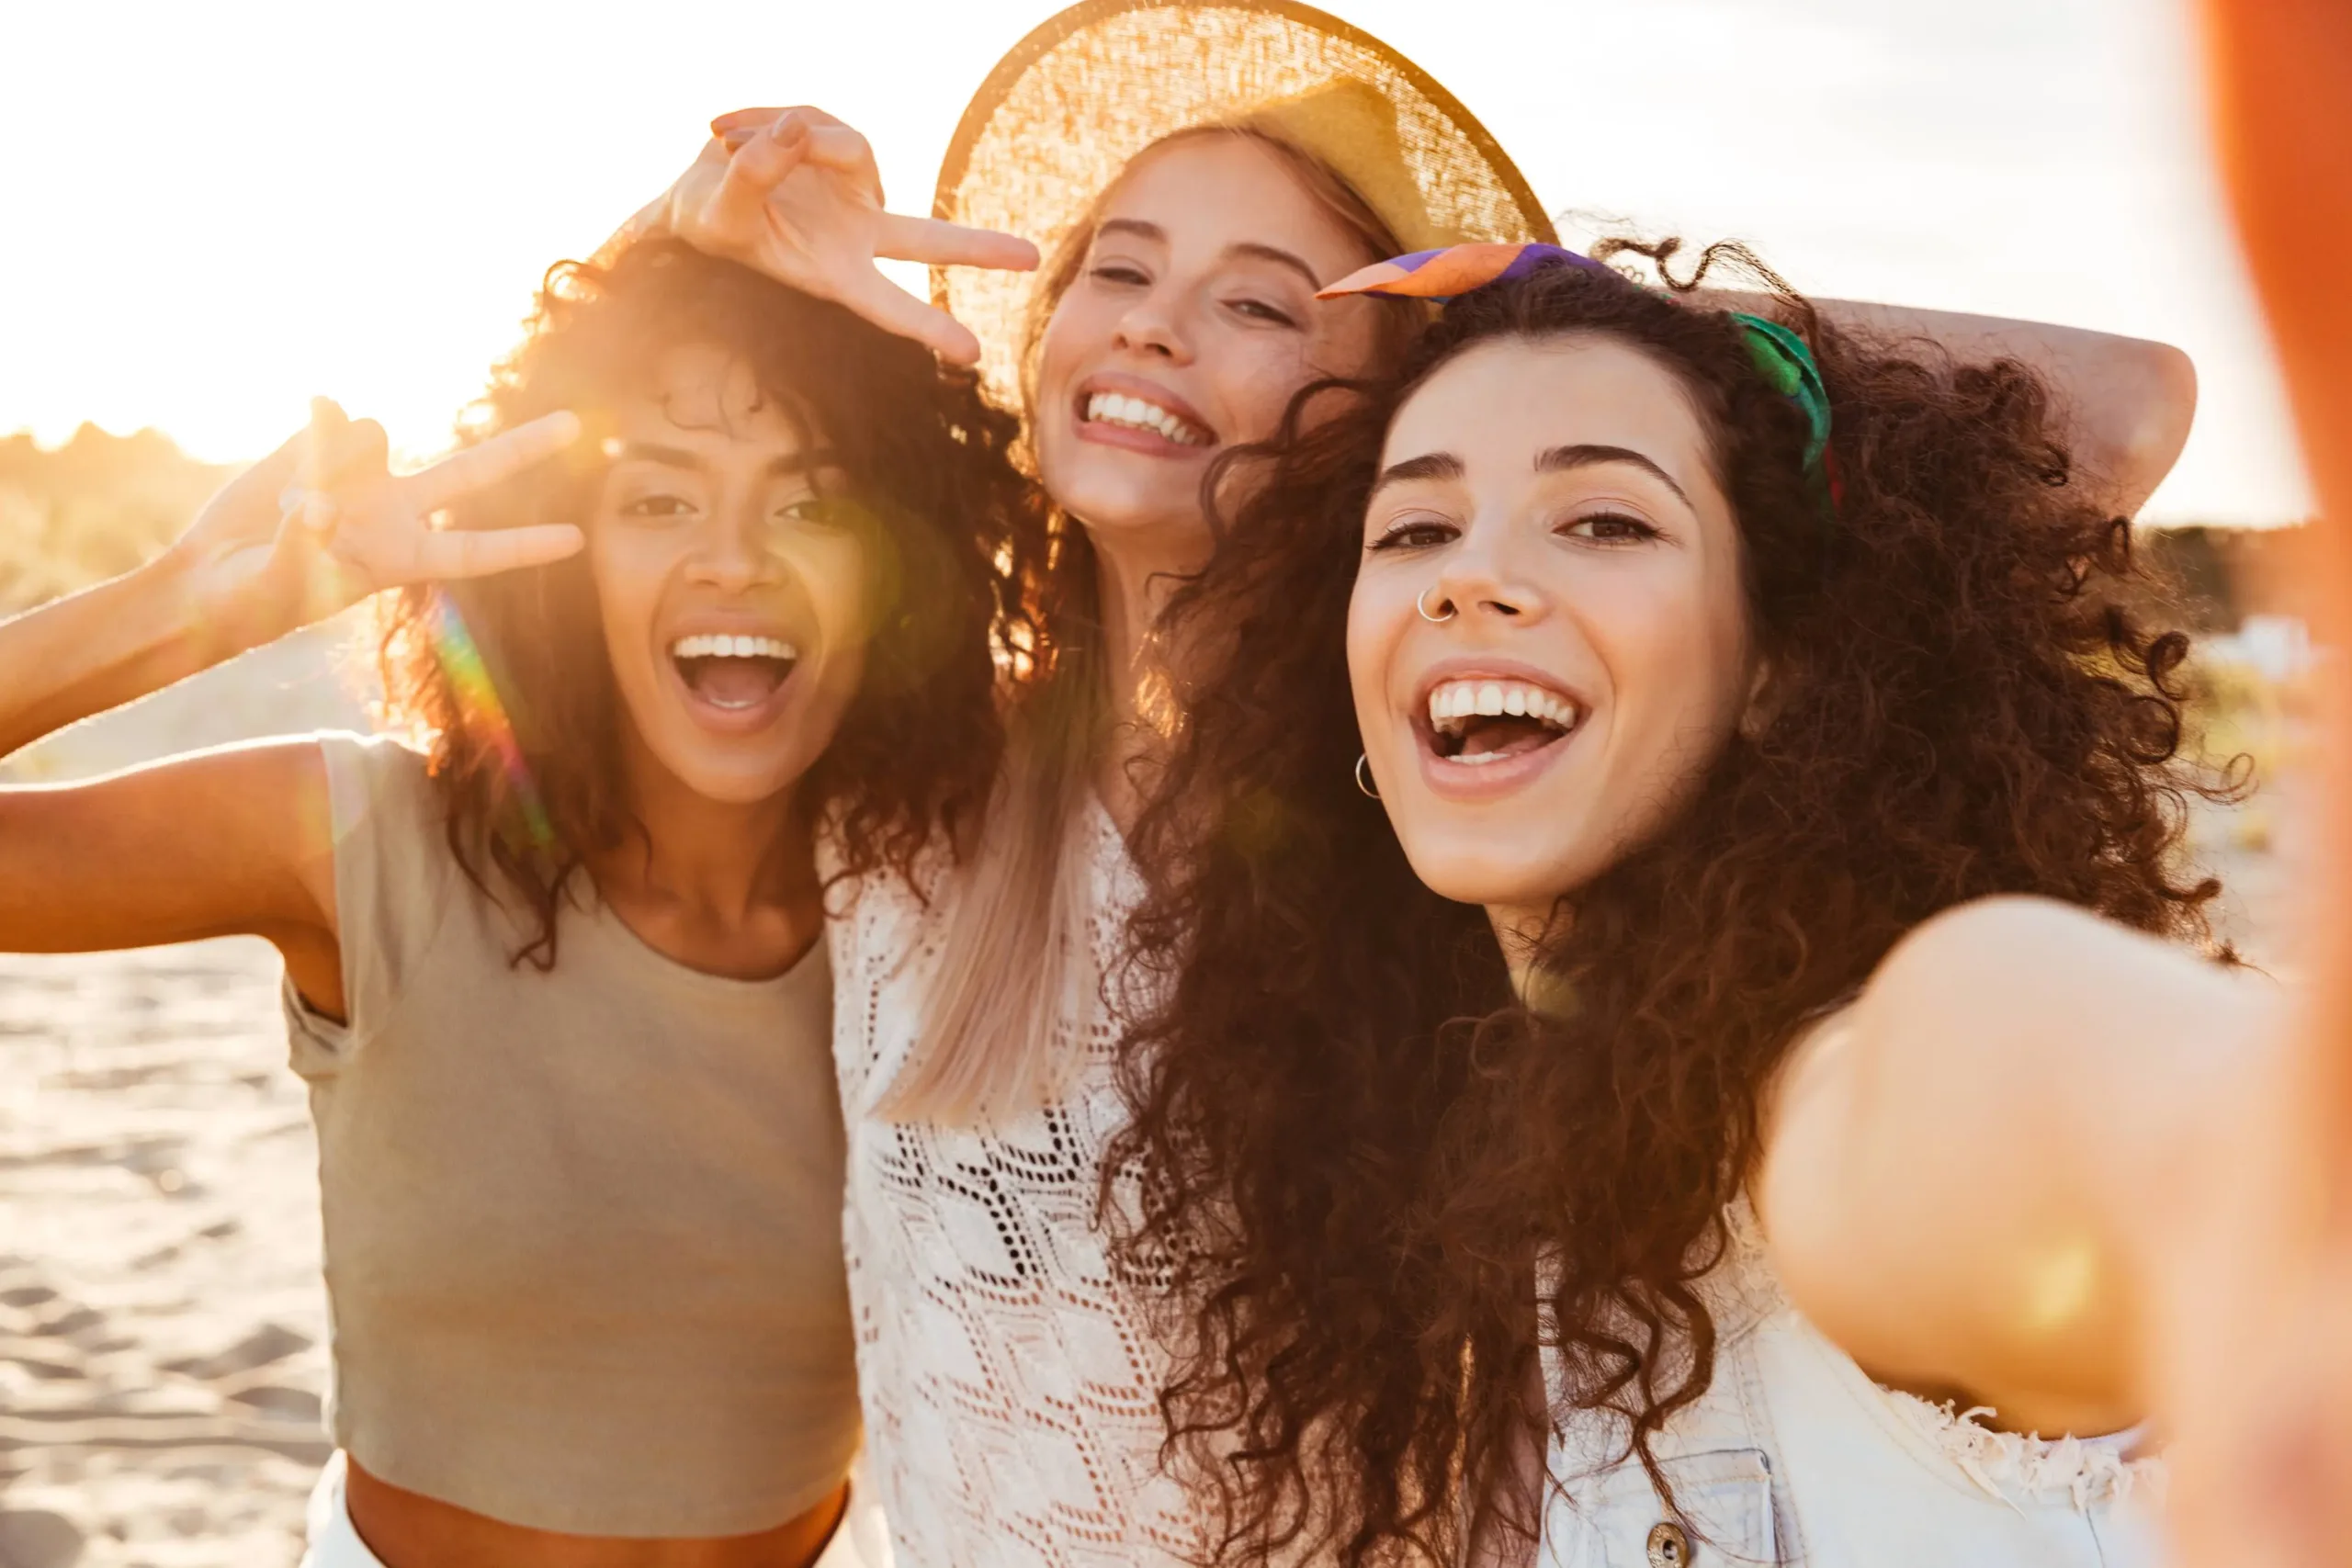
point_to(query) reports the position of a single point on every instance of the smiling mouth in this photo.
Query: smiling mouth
(1479, 722)
(733, 672)
(1141, 414)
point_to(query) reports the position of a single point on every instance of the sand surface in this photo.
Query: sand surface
(162, 1325)
(163, 1330)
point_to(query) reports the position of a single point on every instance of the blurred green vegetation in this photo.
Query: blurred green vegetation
(90, 509)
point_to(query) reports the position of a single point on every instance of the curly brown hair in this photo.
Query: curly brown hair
(958, 533)
(1350, 1148)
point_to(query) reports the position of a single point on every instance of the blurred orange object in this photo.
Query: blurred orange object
(2258, 1378)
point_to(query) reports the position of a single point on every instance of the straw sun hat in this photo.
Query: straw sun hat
(1062, 113)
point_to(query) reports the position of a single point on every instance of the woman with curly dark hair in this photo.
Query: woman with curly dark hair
(555, 978)
(1677, 957)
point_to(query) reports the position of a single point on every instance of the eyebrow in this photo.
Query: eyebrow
(1563, 459)
(1253, 249)
(1428, 466)
(679, 458)
(1551, 460)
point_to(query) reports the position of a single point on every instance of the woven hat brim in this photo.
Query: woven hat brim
(1094, 85)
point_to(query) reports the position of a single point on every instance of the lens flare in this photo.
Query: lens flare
(479, 709)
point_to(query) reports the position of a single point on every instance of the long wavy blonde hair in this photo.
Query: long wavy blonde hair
(1015, 966)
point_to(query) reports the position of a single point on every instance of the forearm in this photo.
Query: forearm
(101, 647)
(2127, 402)
(1973, 1185)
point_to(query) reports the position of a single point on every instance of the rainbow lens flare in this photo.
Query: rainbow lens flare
(479, 708)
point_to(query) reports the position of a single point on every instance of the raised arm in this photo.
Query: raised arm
(234, 840)
(2128, 403)
(1990, 1177)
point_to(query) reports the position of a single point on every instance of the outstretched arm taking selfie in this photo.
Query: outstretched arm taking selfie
(233, 841)
(2262, 1379)
(1988, 1177)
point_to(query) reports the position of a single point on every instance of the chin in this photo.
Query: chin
(1498, 876)
(729, 781)
(1110, 500)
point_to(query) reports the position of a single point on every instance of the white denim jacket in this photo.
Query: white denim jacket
(1796, 1457)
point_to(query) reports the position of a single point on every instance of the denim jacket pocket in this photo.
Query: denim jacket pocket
(1725, 1496)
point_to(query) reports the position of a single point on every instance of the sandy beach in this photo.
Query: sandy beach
(163, 1330)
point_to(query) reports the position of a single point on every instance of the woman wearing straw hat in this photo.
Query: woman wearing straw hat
(1202, 169)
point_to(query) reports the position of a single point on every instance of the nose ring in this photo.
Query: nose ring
(1422, 604)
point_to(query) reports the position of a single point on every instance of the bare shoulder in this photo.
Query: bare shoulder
(2016, 955)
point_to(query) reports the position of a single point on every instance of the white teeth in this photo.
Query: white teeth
(720, 644)
(1116, 408)
(1451, 702)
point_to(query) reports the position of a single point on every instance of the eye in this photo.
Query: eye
(659, 505)
(821, 510)
(1123, 273)
(1608, 528)
(1415, 531)
(1259, 310)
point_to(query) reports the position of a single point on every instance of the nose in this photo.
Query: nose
(1479, 584)
(731, 551)
(1152, 326)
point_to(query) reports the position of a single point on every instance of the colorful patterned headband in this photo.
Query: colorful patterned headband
(1782, 357)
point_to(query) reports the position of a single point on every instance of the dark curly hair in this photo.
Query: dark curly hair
(958, 533)
(1350, 1148)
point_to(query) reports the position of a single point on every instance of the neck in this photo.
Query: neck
(721, 885)
(1134, 578)
(1520, 929)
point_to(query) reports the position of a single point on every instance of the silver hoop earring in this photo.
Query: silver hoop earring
(1422, 604)
(1364, 781)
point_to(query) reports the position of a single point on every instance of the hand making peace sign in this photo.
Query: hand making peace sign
(322, 523)
(794, 193)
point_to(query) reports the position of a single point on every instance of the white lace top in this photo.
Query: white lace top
(1010, 1388)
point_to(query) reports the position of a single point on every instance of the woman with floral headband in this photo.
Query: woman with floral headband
(1751, 715)
(1203, 168)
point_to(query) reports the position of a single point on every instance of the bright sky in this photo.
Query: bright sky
(214, 210)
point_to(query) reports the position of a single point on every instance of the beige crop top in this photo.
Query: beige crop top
(583, 1228)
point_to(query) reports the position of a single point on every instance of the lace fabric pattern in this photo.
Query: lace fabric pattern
(1007, 1377)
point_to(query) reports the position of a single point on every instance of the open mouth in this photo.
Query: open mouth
(1478, 722)
(732, 671)
(1124, 411)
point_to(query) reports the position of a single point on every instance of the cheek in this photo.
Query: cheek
(1257, 374)
(837, 573)
(1068, 332)
(1680, 669)
(1373, 632)
(627, 584)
